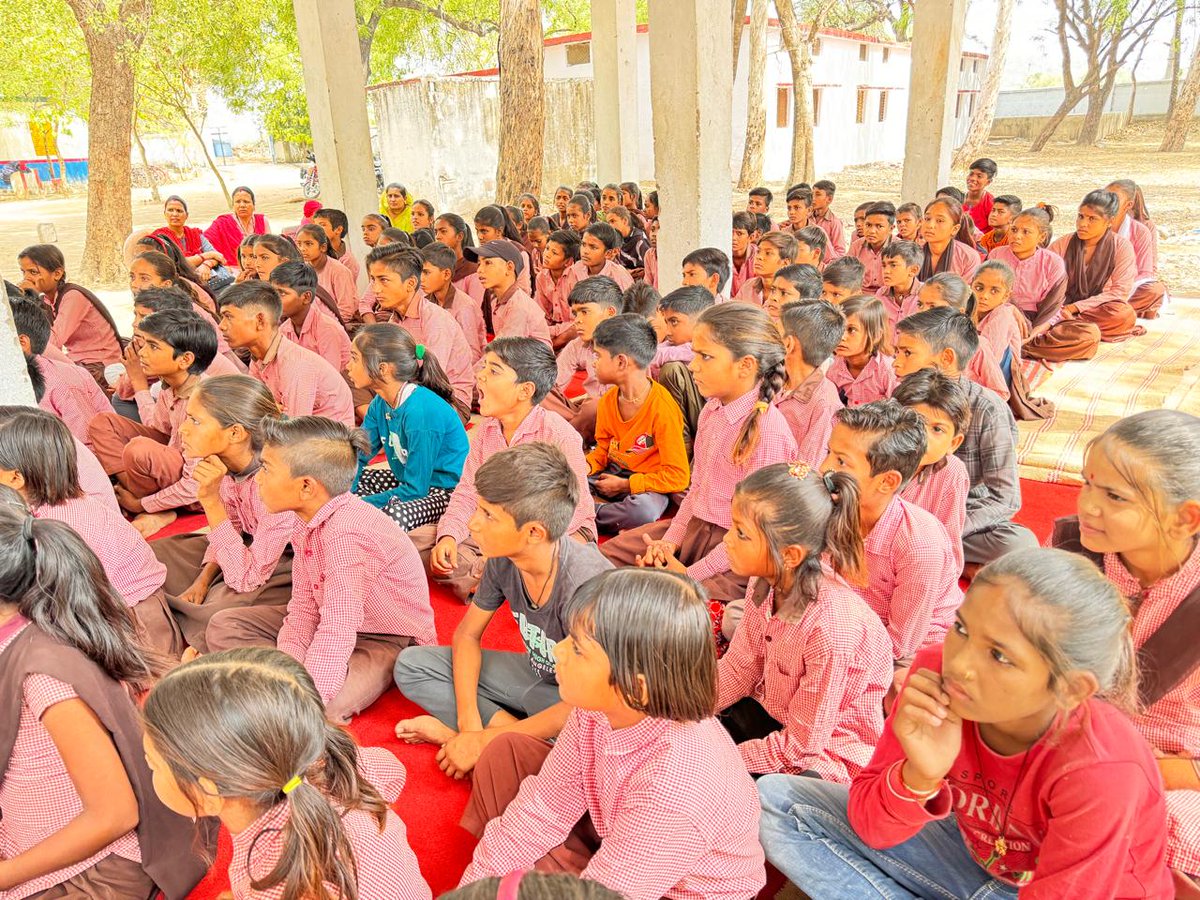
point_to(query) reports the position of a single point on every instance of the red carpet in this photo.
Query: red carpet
(432, 803)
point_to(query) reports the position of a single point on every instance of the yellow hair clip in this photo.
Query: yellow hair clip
(799, 470)
(293, 784)
(761, 406)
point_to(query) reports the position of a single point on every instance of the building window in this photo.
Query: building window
(783, 106)
(883, 105)
(816, 47)
(971, 104)
(860, 114)
(887, 52)
(958, 106)
(816, 103)
(863, 52)
(579, 54)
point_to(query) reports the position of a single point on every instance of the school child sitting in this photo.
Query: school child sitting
(1138, 516)
(492, 223)
(743, 249)
(513, 312)
(899, 268)
(775, 250)
(242, 736)
(153, 476)
(1000, 770)
(949, 243)
(801, 687)
(37, 460)
(799, 202)
(809, 400)
(949, 290)
(643, 300)
(708, 268)
(812, 246)
(791, 284)
(862, 369)
(978, 203)
(860, 219)
(452, 231)
(581, 211)
(412, 420)
(599, 246)
(1133, 223)
(681, 311)
(527, 497)
(80, 815)
(634, 243)
(912, 583)
(842, 279)
(316, 250)
(337, 227)
(244, 559)
(83, 327)
(555, 281)
(739, 368)
(71, 393)
(940, 339)
(823, 217)
(318, 329)
(908, 222)
(592, 301)
(878, 221)
(359, 594)
(640, 458)
(638, 672)
(1005, 208)
(758, 201)
(395, 273)
(941, 483)
(302, 382)
(516, 375)
(650, 273)
(437, 283)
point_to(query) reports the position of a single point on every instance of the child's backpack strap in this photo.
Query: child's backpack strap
(330, 304)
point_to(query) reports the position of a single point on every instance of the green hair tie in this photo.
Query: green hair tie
(420, 351)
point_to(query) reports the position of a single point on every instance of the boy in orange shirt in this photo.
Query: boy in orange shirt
(640, 457)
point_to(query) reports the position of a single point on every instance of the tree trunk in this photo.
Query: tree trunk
(1070, 101)
(112, 42)
(1098, 95)
(1185, 109)
(799, 51)
(739, 25)
(522, 100)
(756, 114)
(1174, 59)
(985, 112)
(187, 117)
(137, 137)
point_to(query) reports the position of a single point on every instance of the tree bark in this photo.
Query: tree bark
(756, 113)
(137, 137)
(1173, 60)
(112, 42)
(799, 50)
(985, 112)
(1070, 101)
(1185, 109)
(522, 100)
(739, 25)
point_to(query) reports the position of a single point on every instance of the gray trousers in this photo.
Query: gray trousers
(425, 676)
(631, 511)
(983, 547)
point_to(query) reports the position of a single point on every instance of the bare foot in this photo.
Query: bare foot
(424, 730)
(150, 524)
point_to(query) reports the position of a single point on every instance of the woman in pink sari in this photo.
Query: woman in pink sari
(227, 231)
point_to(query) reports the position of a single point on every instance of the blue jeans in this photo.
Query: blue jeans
(806, 833)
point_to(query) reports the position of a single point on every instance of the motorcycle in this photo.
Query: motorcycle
(310, 179)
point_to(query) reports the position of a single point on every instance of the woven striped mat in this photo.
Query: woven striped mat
(1159, 370)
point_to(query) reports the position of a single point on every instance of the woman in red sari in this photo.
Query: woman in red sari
(195, 247)
(227, 231)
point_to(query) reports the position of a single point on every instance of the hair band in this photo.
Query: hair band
(420, 351)
(292, 784)
(761, 406)
(799, 470)
(829, 484)
(510, 885)
(27, 530)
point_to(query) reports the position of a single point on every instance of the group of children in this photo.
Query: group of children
(730, 532)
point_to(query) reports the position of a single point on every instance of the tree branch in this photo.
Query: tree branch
(481, 28)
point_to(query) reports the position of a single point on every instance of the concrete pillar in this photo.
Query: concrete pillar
(691, 82)
(932, 93)
(15, 389)
(615, 89)
(337, 109)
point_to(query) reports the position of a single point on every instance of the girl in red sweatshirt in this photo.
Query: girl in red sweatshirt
(1001, 772)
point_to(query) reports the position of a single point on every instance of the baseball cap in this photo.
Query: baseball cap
(498, 249)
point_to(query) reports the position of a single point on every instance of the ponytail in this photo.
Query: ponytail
(843, 534)
(460, 226)
(955, 291)
(770, 385)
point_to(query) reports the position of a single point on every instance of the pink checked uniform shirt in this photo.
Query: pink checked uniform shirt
(322, 334)
(71, 394)
(675, 809)
(387, 866)
(552, 296)
(912, 583)
(336, 279)
(93, 479)
(832, 226)
(1033, 277)
(898, 307)
(963, 260)
(617, 273)
(468, 313)
(437, 329)
(668, 352)
(166, 414)
(303, 383)
(1172, 724)
(809, 410)
(941, 490)
(751, 291)
(516, 315)
(823, 675)
(711, 496)
(872, 261)
(743, 273)
(37, 794)
(221, 365)
(876, 381)
(243, 568)
(354, 572)
(1002, 328)
(128, 561)
(487, 439)
(572, 358)
(83, 331)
